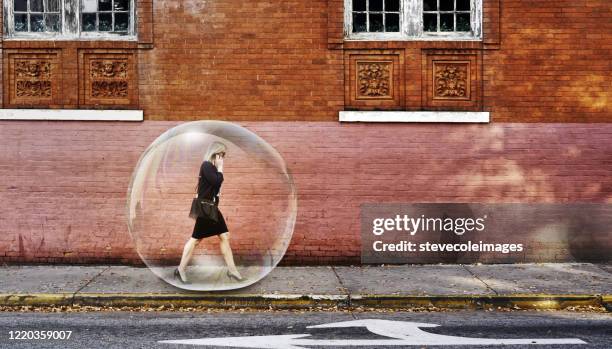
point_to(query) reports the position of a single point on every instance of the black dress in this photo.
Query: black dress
(209, 184)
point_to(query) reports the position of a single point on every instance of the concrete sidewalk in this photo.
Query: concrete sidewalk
(525, 286)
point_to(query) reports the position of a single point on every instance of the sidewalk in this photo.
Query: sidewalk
(525, 286)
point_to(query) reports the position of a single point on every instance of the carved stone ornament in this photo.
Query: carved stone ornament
(108, 69)
(450, 80)
(109, 89)
(108, 78)
(32, 78)
(374, 79)
(26, 88)
(33, 69)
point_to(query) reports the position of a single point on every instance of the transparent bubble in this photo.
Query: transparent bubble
(258, 200)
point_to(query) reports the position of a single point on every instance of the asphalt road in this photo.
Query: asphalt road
(358, 329)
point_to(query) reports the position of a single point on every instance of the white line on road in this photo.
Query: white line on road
(403, 333)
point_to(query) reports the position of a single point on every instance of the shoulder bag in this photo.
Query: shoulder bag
(203, 208)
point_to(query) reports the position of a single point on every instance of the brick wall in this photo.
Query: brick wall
(225, 60)
(553, 62)
(542, 61)
(63, 184)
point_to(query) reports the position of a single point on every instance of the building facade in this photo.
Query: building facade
(538, 72)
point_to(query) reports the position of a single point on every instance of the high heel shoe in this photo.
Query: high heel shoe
(234, 276)
(177, 275)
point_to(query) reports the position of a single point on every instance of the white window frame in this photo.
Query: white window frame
(71, 25)
(411, 25)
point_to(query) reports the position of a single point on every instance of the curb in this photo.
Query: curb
(297, 301)
(274, 301)
(35, 299)
(606, 301)
(515, 301)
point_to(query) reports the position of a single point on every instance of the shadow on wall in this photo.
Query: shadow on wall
(591, 236)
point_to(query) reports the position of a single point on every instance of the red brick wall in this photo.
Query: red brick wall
(540, 61)
(227, 60)
(63, 184)
(553, 63)
(545, 61)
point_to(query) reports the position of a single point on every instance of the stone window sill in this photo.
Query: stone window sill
(414, 116)
(71, 114)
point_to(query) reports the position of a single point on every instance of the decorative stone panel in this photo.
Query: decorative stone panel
(33, 80)
(451, 80)
(374, 79)
(107, 79)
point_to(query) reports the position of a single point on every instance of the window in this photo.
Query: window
(105, 16)
(37, 16)
(44, 19)
(413, 19)
(446, 16)
(376, 16)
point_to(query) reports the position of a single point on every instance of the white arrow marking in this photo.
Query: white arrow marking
(402, 332)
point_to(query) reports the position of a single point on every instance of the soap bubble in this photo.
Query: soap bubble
(258, 200)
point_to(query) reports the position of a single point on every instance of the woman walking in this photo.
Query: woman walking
(209, 184)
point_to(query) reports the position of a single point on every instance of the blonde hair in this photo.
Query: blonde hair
(213, 149)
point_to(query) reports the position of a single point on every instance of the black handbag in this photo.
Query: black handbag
(203, 208)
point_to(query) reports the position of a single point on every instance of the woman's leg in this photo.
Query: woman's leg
(226, 250)
(186, 258)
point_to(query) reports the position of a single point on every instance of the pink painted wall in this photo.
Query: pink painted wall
(63, 184)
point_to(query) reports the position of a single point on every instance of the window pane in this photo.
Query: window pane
(447, 5)
(121, 22)
(52, 5)
(430, 22)
(376, 5)
(89, 5)
(20, 5)
(463, 22)
(359, 23)
(104, 5)
(376, 22)
(36, 6)
(52, 22)
(105, 23)
(21, 22)
(359, 5)
(430, 5)
(392, 22)
(392, 5)
(88, 22)
(463, 5)
(122, 5)
(37, 24)
(447, 22)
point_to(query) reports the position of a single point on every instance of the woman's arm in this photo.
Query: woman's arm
(210, 173)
